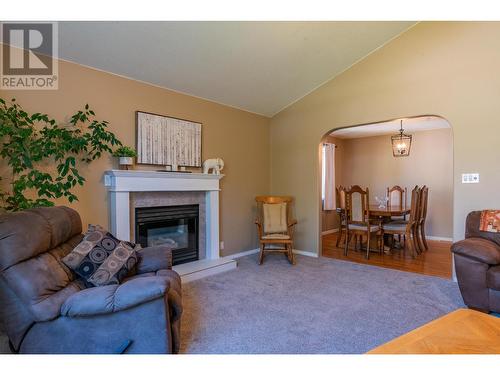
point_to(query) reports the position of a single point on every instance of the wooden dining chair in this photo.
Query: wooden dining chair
(275, 225)
(420, 230)
(406, 228)
(340, 193)
(397, 197)
(358, 221)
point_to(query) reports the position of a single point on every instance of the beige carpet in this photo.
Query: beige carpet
(320, 305)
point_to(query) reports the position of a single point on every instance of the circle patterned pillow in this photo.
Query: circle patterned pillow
(102, 259)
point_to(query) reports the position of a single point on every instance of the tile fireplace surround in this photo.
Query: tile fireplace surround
(135, 188)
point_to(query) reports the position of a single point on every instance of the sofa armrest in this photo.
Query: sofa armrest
(154, 258)
(112, 298)
(478, 249)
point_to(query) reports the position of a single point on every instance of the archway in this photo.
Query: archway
(364, 157)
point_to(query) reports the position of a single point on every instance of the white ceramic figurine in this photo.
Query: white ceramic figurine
(216, 165)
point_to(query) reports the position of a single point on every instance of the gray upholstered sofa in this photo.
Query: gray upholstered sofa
(44, 309)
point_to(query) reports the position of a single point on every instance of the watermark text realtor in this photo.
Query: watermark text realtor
(29, 56)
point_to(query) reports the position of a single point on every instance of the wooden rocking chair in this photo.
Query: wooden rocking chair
(275, 226)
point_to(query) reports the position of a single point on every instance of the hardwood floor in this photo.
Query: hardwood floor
(434, 262)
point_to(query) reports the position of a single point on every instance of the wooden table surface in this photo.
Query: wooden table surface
(460, 332)
(388, 211)
(374, 210)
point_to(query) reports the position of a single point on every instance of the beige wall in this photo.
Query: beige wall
(439, 68)
(240, 138)
(369, 163)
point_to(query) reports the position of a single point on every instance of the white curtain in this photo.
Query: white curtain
(328, 177)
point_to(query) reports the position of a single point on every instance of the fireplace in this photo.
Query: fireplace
(175, 226)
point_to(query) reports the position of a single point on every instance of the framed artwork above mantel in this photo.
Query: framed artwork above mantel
(165, 140)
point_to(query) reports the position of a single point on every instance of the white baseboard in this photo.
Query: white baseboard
(242, 254)
(435, 238)
(202, 268)
(255, 251)
(329, 231)
(305, 253)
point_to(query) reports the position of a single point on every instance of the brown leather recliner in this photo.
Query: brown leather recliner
(477, 264)
(44, 308)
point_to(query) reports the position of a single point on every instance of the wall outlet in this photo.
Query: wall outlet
(222, 245)
(470, 178)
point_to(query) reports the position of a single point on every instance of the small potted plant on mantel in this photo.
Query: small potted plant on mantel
(126, 156)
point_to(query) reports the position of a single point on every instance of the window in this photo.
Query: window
(323, 170)
(328, 176)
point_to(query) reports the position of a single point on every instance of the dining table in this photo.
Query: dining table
(383, 213)
(388, 211)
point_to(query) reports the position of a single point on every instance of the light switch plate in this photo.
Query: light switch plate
(470, 178)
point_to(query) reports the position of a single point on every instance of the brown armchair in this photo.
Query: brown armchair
(275, 225)
(45, 308)
(477, 265)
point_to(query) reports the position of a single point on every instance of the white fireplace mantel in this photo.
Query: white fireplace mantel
(121, 183)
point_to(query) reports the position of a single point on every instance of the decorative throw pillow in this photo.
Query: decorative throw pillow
(101, 259)
(490, 221)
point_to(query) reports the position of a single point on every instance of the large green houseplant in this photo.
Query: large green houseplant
(43, 156)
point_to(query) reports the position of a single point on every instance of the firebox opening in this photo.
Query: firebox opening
(174, 226)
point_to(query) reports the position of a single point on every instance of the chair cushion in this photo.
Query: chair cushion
(33, 280)
(154, 258)
(54, 226)
(274, 218)
(400, 226)
(397, 219)
(373, 228)
(32, 242)
(101, 259)
(43, 283)
(276, 236)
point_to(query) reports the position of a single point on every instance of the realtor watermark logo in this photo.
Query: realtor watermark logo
(29, 56)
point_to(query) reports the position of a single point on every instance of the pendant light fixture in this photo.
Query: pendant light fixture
(401, 143)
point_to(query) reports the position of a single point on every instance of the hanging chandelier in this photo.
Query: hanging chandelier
(401, 143)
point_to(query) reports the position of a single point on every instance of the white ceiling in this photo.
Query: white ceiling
(261, 67)
(410, 125)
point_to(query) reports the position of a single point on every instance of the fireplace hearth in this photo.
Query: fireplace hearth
(174, 226)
